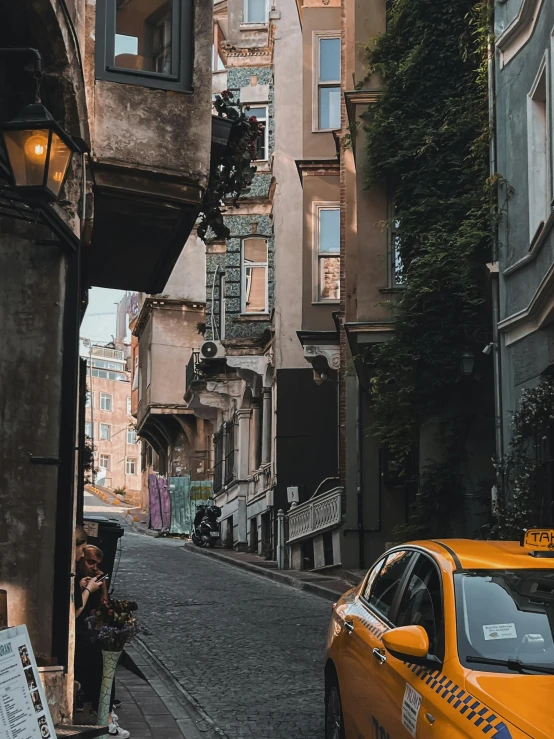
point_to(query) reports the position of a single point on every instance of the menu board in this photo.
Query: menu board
(24, 712)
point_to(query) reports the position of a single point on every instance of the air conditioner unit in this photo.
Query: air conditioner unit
(212, 350)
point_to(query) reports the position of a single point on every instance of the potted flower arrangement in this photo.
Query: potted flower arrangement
(113, 624)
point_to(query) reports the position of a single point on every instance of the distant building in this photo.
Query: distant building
(109, 423)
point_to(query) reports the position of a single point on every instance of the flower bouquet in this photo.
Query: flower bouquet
(113, 624)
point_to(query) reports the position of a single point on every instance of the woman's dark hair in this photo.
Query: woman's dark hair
(80, 536)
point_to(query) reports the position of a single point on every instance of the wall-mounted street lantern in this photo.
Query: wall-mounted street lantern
(467, 362)
(39, 152)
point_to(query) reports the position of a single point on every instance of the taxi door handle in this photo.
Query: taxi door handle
(349, 626)
(378, 654)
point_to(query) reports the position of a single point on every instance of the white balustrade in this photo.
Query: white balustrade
(316, 515)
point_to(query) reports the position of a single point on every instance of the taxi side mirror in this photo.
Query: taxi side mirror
(408, 643)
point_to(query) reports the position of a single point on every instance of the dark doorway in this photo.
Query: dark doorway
(328, 548)
(308, 555)
(254, 535)
(267, 548)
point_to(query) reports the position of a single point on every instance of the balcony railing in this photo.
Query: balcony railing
(192, 369)
(317, 515)
(104, 351)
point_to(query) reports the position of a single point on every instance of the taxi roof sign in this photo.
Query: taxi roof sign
(540, 542)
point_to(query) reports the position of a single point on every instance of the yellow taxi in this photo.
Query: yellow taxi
(446, 639)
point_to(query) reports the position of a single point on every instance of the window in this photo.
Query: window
(217, 62)
(148, 367)
(260, 114)
(327, 252)
(327, 89)
(254, 275)
(421, 604)
(105, 402)
(128, 406)
(131, 436)
(505, 615)
(221, 311)
(397, 266)
(104, 462)
(230, 450)
(105, 431)
(90, 399)
(88, 429)
(255, 11)
(145, 42)
(218, 460)
(538, 153)
(385, 587)
(131, 466)
(107, 375)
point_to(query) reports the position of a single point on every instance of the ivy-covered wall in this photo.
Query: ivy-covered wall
(427, 137)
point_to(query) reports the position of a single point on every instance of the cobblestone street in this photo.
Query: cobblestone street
(249, 650)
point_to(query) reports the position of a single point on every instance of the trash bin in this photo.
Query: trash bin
(105, 533)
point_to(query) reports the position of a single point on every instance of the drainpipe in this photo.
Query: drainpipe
(495, 276)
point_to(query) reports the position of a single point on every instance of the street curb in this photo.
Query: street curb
(277, 576)
(138, 528)
(196, 713)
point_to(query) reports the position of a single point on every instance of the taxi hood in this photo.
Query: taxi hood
(525, 701)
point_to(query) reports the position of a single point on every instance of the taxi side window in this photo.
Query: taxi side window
(421, 604)
(385, 585)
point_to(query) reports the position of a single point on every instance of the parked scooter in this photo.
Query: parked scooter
(206, 530)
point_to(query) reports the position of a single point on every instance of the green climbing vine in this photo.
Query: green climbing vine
(232, 174)
(522, 469)
(428, 139)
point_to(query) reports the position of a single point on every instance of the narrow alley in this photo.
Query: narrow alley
(249, 650)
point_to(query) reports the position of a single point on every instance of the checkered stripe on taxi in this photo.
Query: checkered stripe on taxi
(372, 624)
(463, 702)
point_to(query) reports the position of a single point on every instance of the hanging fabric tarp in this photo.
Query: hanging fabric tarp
(163, 488)
(155, 503)
(179, 494)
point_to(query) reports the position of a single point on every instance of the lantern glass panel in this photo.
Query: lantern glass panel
(27, 152)
(60, 155)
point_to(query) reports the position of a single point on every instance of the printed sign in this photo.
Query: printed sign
(499, 631)
(24, 713)
(539, 539)
(91, 528)
(410, 709)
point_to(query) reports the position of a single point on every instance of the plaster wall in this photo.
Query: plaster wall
(32, 285)
(174, 336)
(319, 144)
(188, 279)
(287, 204)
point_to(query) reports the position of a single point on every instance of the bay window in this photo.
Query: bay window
(260, 113)
(255, 11)
(145, 42)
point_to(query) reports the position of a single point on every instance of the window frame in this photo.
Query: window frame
(129, 405)
(103, 396)
(182, 50)
(89, 424)
(133, 461)
(319, 206)
(109, 427)
(536, 220)
(423, 556)
(89, 399)
(266, 126)
(229, 451)
(132, 431)
(107, 466)
(389, 620)
(219, 458)
(317, 37)
(247, 22)
(243, 278)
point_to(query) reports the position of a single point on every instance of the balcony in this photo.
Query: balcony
(192, 373)
(316, 516)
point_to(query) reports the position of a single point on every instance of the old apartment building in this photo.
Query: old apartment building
(101, 184)
(109, 424)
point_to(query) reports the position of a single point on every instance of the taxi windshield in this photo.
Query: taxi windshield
(505, 615)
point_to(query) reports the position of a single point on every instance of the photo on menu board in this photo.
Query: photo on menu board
(30, 677)
(43, 726)
(37, 703)
(24, 654)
